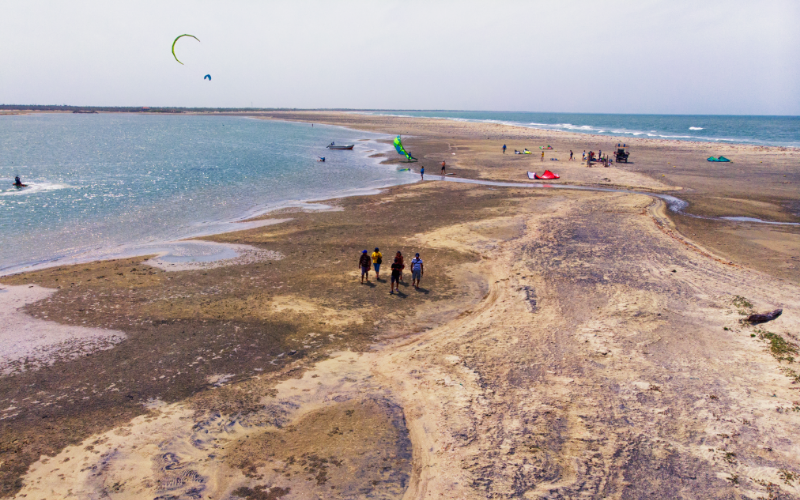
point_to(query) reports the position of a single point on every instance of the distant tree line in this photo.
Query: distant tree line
(127, 109)
(158, 109)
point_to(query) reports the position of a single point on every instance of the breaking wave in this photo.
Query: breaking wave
(32, 188)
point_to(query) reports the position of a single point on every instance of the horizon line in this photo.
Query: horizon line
(70, 107)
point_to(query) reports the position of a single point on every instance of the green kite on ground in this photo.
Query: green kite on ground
(398, 145)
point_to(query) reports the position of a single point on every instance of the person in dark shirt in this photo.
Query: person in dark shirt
(364, 262)
(399, 258)
(397, 268)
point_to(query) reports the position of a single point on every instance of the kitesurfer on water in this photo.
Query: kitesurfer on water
(17, 181)
(322, 159)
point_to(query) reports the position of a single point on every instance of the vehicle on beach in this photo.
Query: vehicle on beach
(334, 146)
(621, 155)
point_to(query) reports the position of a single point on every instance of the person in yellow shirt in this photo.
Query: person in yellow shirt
(377, 258)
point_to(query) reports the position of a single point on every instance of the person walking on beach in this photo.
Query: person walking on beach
(377, 258)
(394, 283)
(584, 155)
(363, 263)
(543, 155)
(443, 170)
(399, 258)
(504, 149)
(416, 271)
(422, 174)
(570, 155)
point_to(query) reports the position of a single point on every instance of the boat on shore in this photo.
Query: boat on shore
(334, 146)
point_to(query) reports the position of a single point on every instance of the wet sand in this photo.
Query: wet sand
(563, 344)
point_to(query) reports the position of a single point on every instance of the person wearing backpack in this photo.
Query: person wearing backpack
(417, 270)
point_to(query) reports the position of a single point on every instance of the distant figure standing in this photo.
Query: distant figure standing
(422, 174)
(399, 258)
(599, 153)
(394, 283)
(504, 149)
(363, 263)
(584, 155)
(443, 170)
(416, 271)
(377, 259)
(543, 155)
(570, 155)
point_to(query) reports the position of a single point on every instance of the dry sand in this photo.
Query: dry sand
(564, 344)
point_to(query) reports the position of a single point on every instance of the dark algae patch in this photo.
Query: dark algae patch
(353, 449)
(260, 492)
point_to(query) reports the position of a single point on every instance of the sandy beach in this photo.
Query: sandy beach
(562, 344)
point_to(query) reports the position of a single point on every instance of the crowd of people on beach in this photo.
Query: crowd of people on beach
(375, 260)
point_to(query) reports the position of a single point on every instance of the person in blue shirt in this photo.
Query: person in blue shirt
(422, 173)
(504, 149)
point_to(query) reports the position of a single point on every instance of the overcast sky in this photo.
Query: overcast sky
(637, 56)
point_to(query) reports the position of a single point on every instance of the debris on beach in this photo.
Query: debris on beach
(763, 318)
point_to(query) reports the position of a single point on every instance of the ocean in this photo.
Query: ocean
(101, 183)
(759, 130)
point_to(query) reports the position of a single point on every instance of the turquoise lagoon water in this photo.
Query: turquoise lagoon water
(100, 183)
(761, 130)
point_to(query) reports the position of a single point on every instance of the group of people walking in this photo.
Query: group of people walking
(376, 259)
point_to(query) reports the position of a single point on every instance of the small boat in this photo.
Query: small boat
(334, 146)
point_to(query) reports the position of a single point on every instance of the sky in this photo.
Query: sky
(610, 56)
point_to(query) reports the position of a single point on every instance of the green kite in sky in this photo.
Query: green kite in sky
(176, 41)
